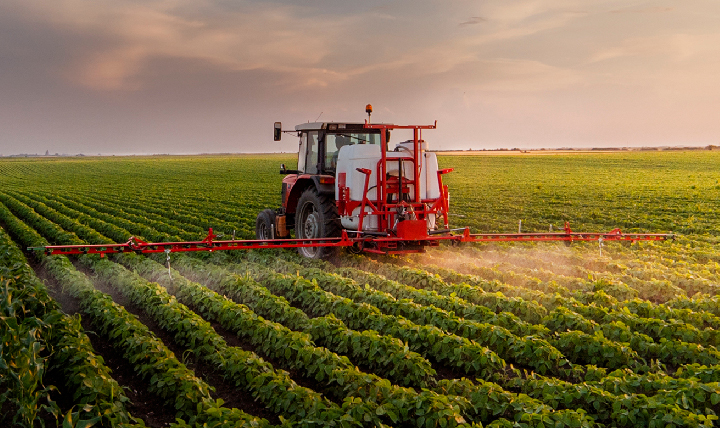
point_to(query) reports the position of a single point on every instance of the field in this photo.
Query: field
(501, 335)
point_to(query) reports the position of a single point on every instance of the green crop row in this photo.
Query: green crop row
(526, 345)
(384, 355)
(701, 303)
(669, 351)
(184, 223)
(174, 213)
(39, 340)
(578, 347)
(100, 226)
(193, 215)
(687, 393)
(452, 303)
(701, 319)
(489, 401)
(265, 385)
(627, 410)
(701, 372)
(452, 277)
(160, 226)
(654, 327)
(23, 356)
(431, 342)
(519, 280)
(72, 225)
(44, 227)
(365, 397)
(659, 283)
(245, 369)
(469, 407)
(527, 310)
(202, 212)
(195, 212)
(615, 325)
(137, 229)
(597, 296)
(107, 225)
(166, 376)
(639, 307)
(532, 352)
(219, 206)
(121, 212)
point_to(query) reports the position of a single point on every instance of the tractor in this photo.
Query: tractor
(350, 178)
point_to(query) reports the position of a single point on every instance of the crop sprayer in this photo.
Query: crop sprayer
(350, 190)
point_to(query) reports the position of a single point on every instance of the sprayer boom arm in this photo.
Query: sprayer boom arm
(566, 235)
(391, 244)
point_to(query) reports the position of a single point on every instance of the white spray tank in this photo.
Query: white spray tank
(350, 158)
(429, 187)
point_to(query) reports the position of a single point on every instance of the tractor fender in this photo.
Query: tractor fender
(324, 188)
(294, 185)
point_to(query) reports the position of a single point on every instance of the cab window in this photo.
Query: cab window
(335, 141)
(302, 152)
(311, 163)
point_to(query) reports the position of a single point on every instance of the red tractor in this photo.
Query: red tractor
(349, 179)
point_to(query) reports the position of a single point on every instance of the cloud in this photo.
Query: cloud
(656, 9)
(635, 47)
(473, 20)
(510, 76)
(526, 11)
(257, 37)
(665, 48)
(311, 50)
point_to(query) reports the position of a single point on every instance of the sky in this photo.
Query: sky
(211, 76)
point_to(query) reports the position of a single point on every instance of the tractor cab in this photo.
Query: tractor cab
(320, 144)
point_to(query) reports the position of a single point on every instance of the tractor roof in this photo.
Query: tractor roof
(315, 126)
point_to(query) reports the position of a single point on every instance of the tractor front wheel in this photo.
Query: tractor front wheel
(316, 217)
(265, 225)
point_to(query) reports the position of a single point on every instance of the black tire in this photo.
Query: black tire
(316, 217)
(265, 224)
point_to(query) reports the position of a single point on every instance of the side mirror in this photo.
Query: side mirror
(285, 171)
(277, 131)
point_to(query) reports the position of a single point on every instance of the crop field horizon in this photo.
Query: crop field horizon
(494, 334)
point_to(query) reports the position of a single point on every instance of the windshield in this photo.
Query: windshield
(334, 141)
(355, 137)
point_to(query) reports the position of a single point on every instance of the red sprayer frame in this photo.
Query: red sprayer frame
(381, 206)
(388, 244)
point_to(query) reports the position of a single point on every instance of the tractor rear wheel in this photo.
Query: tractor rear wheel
(316, 217)
(265, 224)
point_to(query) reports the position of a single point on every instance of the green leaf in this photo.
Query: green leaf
(68, 421)
(88, 423)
